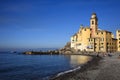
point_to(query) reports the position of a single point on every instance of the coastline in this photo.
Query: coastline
(100, 68)
(72, 73)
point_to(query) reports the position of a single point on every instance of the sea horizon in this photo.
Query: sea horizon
(26, 49)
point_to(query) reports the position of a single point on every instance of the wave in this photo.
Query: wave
(68, 71)
(71, 70)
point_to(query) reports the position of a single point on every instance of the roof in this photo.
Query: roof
(104, 31)
(75, 34)
(93, 13)
(118, 30)
(85, 27)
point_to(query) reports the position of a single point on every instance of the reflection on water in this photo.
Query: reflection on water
(79, 59)
(37, 67)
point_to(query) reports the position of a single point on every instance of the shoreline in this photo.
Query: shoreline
(68, 75)
(100, 68)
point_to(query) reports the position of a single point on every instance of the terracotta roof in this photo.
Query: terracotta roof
(104, 31)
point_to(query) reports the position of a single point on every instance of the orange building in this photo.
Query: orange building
(118, 39)
(95, 40)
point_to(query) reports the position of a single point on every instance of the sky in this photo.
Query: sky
(51, 23)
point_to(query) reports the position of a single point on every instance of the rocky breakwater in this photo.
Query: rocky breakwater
(65, 50)
(49, 52)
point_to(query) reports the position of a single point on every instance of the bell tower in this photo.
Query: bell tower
(93, 24)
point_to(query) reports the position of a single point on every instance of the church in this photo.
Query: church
(93, 39)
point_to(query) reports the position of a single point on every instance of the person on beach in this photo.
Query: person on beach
(109, 54)
(98, 54)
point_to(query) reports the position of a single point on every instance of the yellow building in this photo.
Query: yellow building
(118, 39)
(93, 39)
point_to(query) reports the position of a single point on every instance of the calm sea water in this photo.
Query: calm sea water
(16, 66)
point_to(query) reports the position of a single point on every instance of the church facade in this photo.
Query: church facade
(95, 40)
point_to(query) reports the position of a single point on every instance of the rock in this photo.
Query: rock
(67, 52)
(28, 52)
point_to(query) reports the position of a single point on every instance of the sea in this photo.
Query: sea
(17, 66)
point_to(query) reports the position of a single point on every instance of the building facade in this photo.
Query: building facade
(95, 40)
(118, 39)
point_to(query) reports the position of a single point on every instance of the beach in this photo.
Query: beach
(100, 68)
(108, 69)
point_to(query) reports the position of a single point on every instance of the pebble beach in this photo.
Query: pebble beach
(100, 68)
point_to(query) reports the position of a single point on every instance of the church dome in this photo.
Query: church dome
(94, 15)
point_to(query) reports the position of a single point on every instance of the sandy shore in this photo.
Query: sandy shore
(107, 68)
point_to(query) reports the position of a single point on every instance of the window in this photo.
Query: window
(119, 38)
(92, 22)
(102, 39)
(89, 40)
(85, 29)
(90, 35)
(101, 32)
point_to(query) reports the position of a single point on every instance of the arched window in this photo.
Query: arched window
(92, 22)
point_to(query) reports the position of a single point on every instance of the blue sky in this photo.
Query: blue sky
(51, 23)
